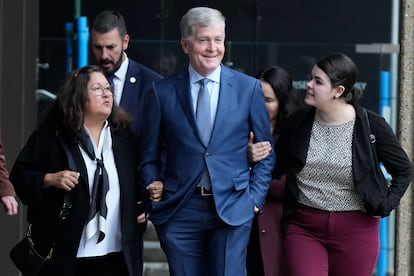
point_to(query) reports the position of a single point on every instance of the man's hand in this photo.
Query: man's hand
(10, 205)
(155, 190)
(142, 218)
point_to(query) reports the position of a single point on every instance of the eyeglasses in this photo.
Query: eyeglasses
(99, 90)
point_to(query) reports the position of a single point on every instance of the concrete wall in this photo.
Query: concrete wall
(404, 221)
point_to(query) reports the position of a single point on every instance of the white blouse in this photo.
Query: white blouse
(113, 237)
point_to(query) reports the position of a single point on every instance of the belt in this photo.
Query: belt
(202, 191)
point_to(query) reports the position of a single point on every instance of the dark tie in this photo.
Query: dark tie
(111, 80)
(98, 210)
(203, 117)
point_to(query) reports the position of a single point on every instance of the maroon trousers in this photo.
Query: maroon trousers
(321, 243)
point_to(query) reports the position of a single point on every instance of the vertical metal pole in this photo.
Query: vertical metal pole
(384, 108)
(394, 63)
(69, 46)
(392, 119)
(83, 37)
(77, 9)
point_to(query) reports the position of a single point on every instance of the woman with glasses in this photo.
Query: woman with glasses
(99, 235)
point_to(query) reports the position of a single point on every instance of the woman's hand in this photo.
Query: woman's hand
(258, 151)
(10, 205)
(66, 180)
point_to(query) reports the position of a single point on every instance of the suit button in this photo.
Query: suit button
(207, 154)
(263, 231)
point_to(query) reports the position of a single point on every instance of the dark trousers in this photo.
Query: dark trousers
(108, 265)
(321, 243)
(198, 243)
(254, 262)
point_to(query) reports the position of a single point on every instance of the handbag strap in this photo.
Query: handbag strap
(371, 135)
(67, 198)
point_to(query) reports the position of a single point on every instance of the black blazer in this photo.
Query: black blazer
(43, 154)
(379, 199)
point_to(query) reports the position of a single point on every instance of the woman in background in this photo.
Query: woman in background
(265, 254)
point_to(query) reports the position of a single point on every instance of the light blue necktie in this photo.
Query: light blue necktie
(203, 112)
(203, 118)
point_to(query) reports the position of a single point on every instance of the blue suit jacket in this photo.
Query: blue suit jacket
(169, 124)
(138, 81)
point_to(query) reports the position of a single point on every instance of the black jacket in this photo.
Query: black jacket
(379, 199)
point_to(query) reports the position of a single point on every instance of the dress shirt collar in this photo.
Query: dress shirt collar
(120, 74)
(195, 77)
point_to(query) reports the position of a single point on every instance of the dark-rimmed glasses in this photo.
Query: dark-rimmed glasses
(99, 90)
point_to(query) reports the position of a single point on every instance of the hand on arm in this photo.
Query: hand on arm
(258, 151)
(66, 180)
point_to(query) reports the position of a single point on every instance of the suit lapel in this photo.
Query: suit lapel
(130, 86)
(225, 100)
(121, 151)
(182, 88)
(118, 150)
(226, 96)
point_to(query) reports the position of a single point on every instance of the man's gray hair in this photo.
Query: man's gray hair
(199, 17)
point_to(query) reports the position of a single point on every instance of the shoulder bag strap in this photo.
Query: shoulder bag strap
(67, 199)
(371, 135)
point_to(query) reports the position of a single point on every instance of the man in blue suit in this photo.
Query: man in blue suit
(131, 80)
(210, 191)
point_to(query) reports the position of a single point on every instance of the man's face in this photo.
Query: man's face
(108, 49)
(205, 48)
